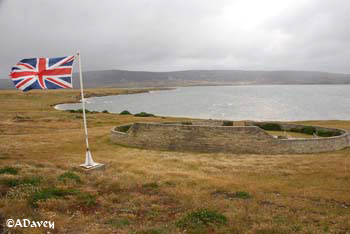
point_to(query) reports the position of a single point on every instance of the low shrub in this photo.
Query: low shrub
(242, 195)
(125, 112)
(227, 123)
(326, 133)
(144, 114)
(306, 130)
(105, 111)
(201, 218)
(186, 123)
(123, 128)
(270, 126)
(9, 170)
(294, 130)
(69, 176)
(81, 111)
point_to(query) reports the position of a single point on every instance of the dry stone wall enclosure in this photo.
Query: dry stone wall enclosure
(222, 136)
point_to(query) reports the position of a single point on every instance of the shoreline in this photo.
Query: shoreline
(87, 94)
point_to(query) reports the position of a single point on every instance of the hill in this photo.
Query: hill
(123, 78)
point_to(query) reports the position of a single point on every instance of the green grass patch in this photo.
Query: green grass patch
(34, 180)
(152, 185)
(87, 199)
(231, 195)
(154, 231)
(242, 195)
(69, 176)
(49, 193)
(201, 218)
(118, 223)
(9, 170)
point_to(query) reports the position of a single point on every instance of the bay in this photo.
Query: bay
(246, 102)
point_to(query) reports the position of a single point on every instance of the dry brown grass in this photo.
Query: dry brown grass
(144, 191)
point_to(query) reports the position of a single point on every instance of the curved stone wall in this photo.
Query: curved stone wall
(211, 136)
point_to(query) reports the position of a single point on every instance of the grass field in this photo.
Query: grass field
(156, 192)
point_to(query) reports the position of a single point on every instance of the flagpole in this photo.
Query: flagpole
(89, 162)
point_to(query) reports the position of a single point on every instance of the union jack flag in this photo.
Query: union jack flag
(43, 73)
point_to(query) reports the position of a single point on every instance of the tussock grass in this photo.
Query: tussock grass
(146, 191)
(11, 182)
(201, 218)
(69, 176)
(49, 193)
(9, 170)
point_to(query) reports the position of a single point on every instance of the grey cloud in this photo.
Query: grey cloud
(174, 35)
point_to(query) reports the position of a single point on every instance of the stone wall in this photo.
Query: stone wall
(204, 138)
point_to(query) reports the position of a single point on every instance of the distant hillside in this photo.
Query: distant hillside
(121, 78)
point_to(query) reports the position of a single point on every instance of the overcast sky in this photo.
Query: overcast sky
(164, 35)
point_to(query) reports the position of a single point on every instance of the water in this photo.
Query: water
(251, 102)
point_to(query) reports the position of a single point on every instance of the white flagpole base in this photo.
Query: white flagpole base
(90, 164)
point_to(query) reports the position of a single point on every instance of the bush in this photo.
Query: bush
(306, 130)
(294, 130)
(81, 111)
(201, 218)
(144, 114)
(9, 170)
(270, 126)
(105, 111)
(76, 111)
(242, 195)
(123, 128)
(227, 123)
(49, 193)
(69, 176)
(125, 112)
(326, 133)
(186, 123)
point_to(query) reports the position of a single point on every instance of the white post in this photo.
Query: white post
(89, 162)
